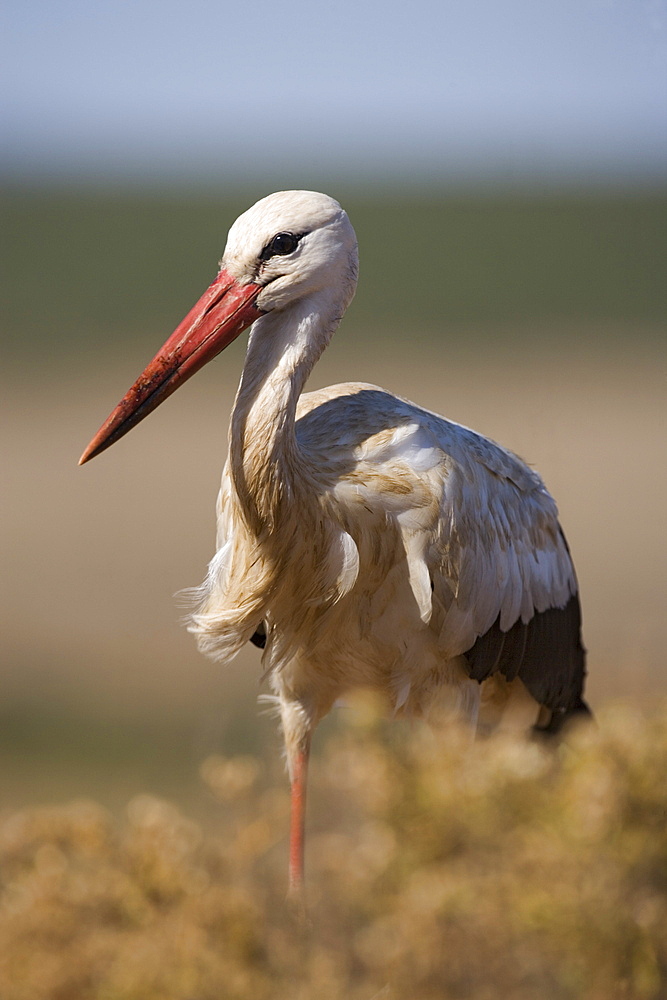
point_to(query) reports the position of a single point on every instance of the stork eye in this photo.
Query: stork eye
(279, 246)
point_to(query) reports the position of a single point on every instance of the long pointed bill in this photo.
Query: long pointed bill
(221, 314)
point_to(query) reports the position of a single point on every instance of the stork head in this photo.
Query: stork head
(289, 246)
(292, 244)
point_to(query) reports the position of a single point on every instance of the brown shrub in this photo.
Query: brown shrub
(437, 870)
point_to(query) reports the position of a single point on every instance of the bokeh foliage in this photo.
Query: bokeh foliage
(437, 870)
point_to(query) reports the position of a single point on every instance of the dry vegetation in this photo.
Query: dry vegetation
(436, 869)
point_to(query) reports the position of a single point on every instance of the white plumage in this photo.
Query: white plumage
(428, 532)
(363, 540)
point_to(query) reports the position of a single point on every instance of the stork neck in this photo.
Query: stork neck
(266, 464)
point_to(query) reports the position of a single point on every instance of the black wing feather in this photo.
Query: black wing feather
(546, 653)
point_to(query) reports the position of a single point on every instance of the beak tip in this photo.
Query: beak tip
(88, 453)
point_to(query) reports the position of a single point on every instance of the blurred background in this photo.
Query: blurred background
(504, 166)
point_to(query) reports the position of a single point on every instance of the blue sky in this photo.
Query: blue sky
(469, 88)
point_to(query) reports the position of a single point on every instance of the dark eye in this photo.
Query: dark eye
(280, 245)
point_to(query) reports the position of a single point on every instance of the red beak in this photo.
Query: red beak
(221, 314)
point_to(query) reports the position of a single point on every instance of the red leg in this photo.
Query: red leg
(298, 819)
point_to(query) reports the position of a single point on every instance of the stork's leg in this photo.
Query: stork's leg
(299, 775)
(299, 718)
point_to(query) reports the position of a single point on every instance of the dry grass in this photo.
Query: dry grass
(437, 870)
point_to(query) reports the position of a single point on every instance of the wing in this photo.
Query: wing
(546, 653)
(505, 576)
(498, 550)
(488, 563)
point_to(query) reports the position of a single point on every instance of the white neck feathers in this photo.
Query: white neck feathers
(267, 471)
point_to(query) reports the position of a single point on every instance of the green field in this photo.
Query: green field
(83, 267)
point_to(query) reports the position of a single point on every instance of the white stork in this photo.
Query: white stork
(361, 540)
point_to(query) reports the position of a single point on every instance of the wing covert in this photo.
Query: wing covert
(499, 555)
